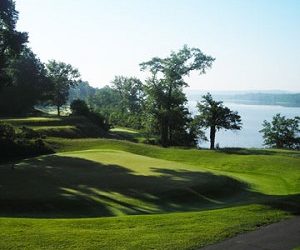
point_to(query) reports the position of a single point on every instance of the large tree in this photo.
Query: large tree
(215, 116)
(11, 41)
(29, 84)
(131, 100)
(282, 132)
(164, 88)
(62, 76)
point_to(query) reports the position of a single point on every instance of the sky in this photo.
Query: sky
(256, 43)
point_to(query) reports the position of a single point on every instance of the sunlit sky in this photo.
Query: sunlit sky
(256, 43)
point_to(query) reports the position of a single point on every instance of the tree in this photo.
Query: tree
(11, 41)
(164, 88)
(214, 115)
(29, 84)
(62, 76)
(282, 132)
(81, 91)
(106, 101)
(130, 100)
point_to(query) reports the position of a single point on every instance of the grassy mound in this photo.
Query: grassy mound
(63, 127)
(109, 183)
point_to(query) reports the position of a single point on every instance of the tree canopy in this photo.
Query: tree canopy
(62, 76)
(164, 89)
(214, 115)
(11, 41)
(29, 84)
(282, 132)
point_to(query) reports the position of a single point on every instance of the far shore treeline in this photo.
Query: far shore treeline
(156, 106)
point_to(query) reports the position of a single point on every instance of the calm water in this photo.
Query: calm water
(252, 118)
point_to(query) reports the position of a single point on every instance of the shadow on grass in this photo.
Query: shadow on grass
(56, 186)
(249, 151)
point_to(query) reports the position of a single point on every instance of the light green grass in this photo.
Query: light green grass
(190, 230)
(273, 172)
(41, 128)
(130, 134)
(61, 127)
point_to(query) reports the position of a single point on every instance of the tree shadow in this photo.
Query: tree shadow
(249, 151)
(61, 187)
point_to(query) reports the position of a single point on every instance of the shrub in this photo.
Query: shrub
(19, 145)
(79, 107)
(29, 133)
(7, 132)
(99, 120)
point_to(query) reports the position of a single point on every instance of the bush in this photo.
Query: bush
(79, 107)
(99, 120)
(29, 133)
(7, 132)
(19, 145)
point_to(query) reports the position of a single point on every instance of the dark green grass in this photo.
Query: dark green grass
(190, 230)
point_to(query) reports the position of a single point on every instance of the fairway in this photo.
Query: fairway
(194, 197)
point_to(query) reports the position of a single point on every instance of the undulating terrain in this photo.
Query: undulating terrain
(115, 193)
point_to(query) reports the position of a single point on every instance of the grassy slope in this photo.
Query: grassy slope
(137, 179)
(169, 231)
(63, 127)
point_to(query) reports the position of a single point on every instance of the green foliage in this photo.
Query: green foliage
(79, 107)
(81, 91)
(7, 132)
(214, 115)
(29, 85)
(106, 101)
(11, 41)
(165, 104)
(131, 101)
(62, 76)
(122, 104)
(282, 132)
(16, 145)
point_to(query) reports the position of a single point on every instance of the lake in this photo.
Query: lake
(252, 118)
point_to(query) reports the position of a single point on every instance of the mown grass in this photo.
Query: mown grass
(61, 127)
(189, 230)
(149, 197)
(273, 172)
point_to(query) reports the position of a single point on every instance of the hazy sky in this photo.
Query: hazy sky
(256, 43)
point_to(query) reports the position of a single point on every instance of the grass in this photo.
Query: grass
(131, 134)
(148, 197)
(168, 231)
(61, 127)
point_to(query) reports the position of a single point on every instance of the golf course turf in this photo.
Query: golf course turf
(113, 194)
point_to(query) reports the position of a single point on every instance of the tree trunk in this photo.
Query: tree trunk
(58, 110)
(212, 137)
